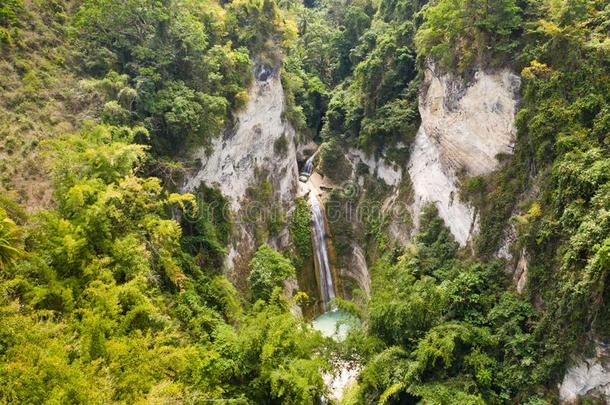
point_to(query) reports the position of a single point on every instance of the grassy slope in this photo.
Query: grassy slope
(42, 97)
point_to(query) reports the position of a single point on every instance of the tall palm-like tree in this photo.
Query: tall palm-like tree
(9, 240)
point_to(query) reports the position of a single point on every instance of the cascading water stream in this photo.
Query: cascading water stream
(332, 322)
(308, 167)
(327, 289)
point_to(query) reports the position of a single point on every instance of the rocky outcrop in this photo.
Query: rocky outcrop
(305, 150)
(357, 270)
(465, 126)
(520, 274)
(470, 123)
(250, 148)
(235, 157)
(354, 269)
(291, 287)
(391, 174)
(588, 377)
(434, 182)
(344, 377)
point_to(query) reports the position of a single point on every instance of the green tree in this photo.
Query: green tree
(450, 332)
(206, 232)
(460, 33)
(182, 73)
(9, 240)
(300, 229)
(190, 117)
(268, 269)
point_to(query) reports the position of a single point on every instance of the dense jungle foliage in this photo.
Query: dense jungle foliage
(511, 347)
(113, 285)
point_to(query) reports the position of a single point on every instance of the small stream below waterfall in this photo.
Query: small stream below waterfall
(336, 324)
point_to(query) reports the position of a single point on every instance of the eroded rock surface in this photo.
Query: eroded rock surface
(465, 126)
(357, 270)
(433, 182)
(391, 174)
(238, 157)
(235, 157)
(471, 123)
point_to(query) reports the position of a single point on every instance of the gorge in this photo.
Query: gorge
(337, 202)
(465, 128)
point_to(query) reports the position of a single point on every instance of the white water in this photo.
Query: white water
(308, 168)
(327, 289)
(336, 324)
(333, 323)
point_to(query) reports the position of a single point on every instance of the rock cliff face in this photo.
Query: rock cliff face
(390, 174)
(435, 182)
(249, 146)
(471, 122)
(355, 267)
(357, 270)
(260, 142)
(465, 126)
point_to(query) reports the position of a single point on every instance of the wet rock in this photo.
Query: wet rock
(588, 377)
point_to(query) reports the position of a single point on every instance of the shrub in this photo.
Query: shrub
(333, 162)
(268, 269)
(280, 146)
(300, 229)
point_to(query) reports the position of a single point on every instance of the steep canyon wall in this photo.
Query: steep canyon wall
(465, 127)
(260, 145)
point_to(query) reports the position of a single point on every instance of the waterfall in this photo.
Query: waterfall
(308, 168)
(327, 289)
